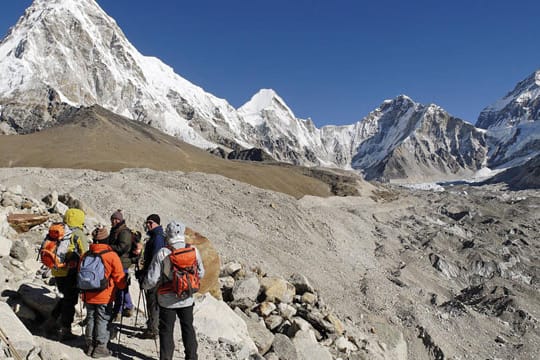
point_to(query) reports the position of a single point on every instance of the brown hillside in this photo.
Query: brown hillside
(94, 138)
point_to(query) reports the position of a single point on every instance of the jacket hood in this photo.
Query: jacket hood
(176, 240)
(74, 218)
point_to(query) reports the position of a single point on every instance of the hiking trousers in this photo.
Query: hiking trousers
(152, 324)
(98, 325)
(123, 299)
(65, 308)
(167, 318)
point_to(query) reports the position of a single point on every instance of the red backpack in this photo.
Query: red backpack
(185, 273)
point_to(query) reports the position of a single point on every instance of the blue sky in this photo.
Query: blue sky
(335, 61)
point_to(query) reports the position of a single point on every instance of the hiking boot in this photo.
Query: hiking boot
(65, 334)
(101, 351)
(127, 313)
(89, 347)
(148, 334)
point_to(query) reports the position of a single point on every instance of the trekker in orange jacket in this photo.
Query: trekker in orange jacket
(99, 304)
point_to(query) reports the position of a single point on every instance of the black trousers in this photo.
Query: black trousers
(167, 318)
(152, 305)
(65, 308)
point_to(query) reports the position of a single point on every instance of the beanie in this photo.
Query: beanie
(175, 229)
(100, 234)
(155, 218)
(117, 215)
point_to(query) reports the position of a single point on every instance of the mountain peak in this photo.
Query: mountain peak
(264, 100)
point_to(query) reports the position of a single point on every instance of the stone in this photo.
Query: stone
(211, 262)
(273, 322)
(337, 324)
(309, 298)
(5, 246)
(278, 290)
(266, 308)
(308, 348)
(51, 199)
(284, 348)
(18, 250)
(298, 324)
(271, 356)
(230, 269)
(246, 289)
(301, 284)
(40, 298)
(216, 320)
(60, 208)
(344, 345)
(286, 310)
(13, 329)
(226, 282)
(258, 332)
(24, 222)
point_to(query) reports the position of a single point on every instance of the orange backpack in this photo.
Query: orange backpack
(185, 273)
(48, 252)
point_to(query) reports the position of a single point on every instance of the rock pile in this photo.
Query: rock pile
(287, 319)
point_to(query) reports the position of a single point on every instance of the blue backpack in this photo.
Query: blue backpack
(91, 275)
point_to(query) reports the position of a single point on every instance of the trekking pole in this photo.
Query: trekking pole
(121, 321)
(147, 312)
(138, 304)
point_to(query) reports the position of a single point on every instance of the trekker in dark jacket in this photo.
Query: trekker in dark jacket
(155, 242)
(160, 274)
(120, 242)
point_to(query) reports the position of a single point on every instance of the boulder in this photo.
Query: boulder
(40, 298)
(278, 290)
(260, 335)
(24, 222)
(217, 321)
(284, 348)
(301, 284)
(5, 246)
(266, 308)
(286, 310)
(308, 348)
(231, 268)
(5, 228)
(211, 261)
(13, 329)
(19, 250)
(246, 289)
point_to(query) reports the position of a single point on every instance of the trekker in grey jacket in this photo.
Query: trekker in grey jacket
(159, 273)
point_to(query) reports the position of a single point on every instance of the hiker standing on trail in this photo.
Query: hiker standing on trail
(155, 242)
(170, 305)
(99, 303)
(70, 249)
(120, 241)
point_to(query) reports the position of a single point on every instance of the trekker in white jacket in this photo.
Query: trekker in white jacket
(170, 305)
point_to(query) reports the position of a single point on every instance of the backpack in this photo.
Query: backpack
(54, 248)
(91, 275)
(136, 244)
(185, 273)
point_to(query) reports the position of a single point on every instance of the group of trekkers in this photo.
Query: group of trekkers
(167, 269)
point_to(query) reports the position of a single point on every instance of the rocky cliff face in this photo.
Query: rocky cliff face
(513, 124)
(419, 142)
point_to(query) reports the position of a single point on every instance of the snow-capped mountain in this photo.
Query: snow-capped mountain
(419, 142)
(513, 124)
(70, 53)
